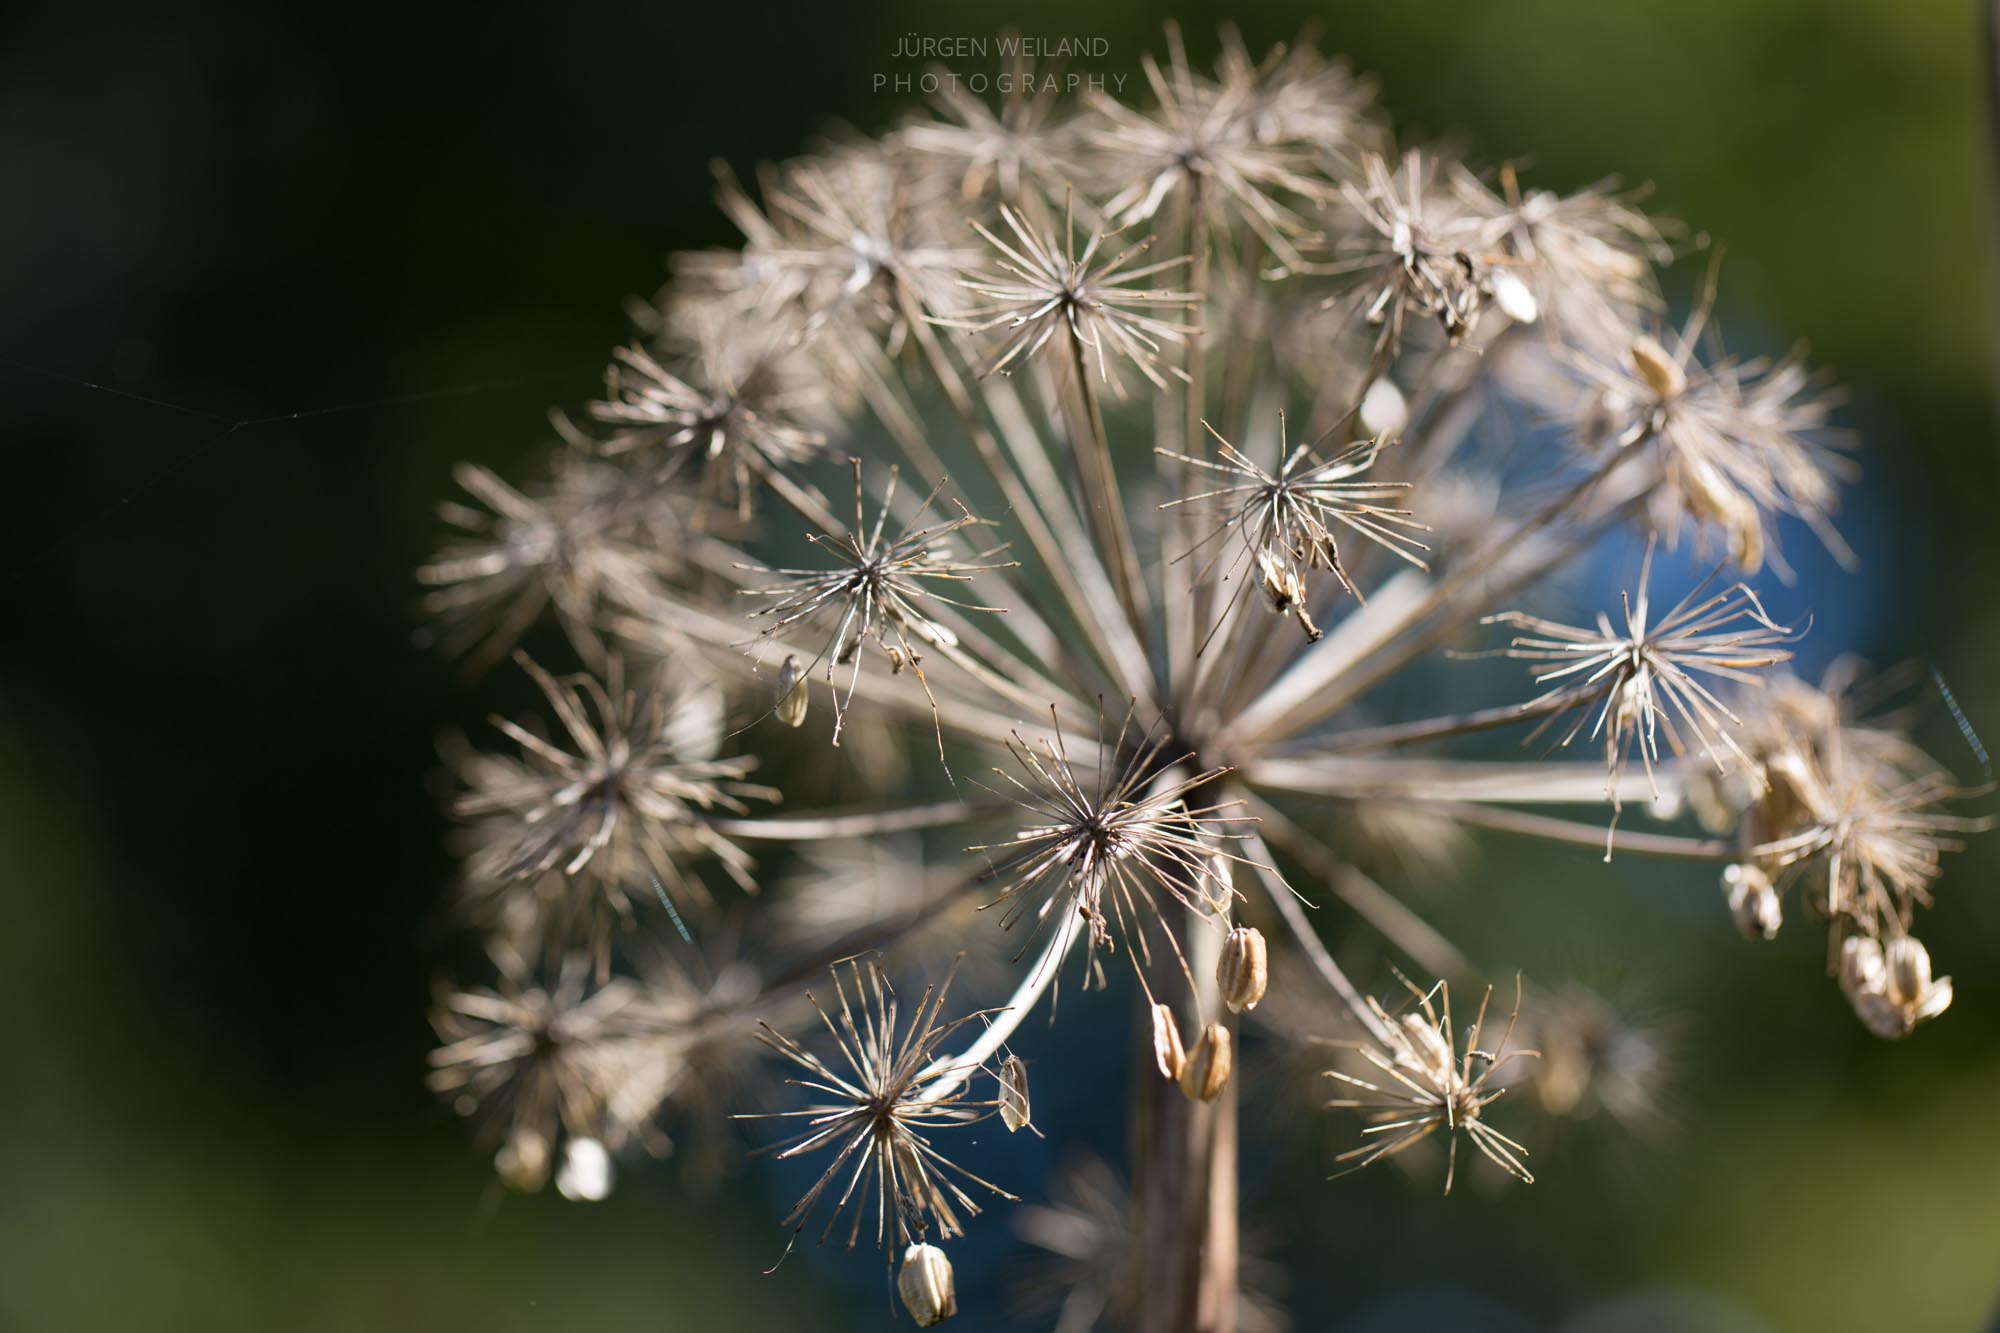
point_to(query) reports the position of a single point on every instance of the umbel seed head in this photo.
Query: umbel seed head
(926, 1286)
(1244, 970)
(1206, 1072)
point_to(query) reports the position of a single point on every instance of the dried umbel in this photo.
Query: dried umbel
(1184, 634)
(616, 811)
(1636, 686)
(1117, 851)
(1423, 1084)
(880, 1103)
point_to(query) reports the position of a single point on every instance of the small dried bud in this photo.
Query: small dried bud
(1206, 1072)
(1167, 1050)
(1244, 971)
(1891, 986)
(1285, 591)
(1714, 499)
(586, 1172)
(1753, 902)
(1861, 966)
(1013, 1092)
(1909, 966)
(792, 693)
(1656, 365)
(1513, 297)
(1384, 410)
(926, 1285)
(1429, 1049)
(523, 1161)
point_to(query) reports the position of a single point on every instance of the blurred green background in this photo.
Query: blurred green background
(220, 851)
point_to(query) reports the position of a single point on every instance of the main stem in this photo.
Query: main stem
(1184, 1171)
(1184, 1158)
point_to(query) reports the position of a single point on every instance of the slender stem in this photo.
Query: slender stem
(1425, 781)
(1374, 904)
(1098, 602)
(1186, 615)
(1002, 1022)
(1314, 948)
(1103, 502)
(1434, 728)
(1552, 829)
(850, 823)
(1025, 511)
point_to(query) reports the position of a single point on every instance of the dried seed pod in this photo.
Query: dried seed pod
(1013, 1092)
(586, 1173)
(1909, 964)
(523, 1161)
(1890, 986)
(926, 1285)
(1206, 1072)
(1656, 365)
(1168, 1052)
(792, 693)
(1753, 903)
(1712, 498)
(1244, 970)
(1861, 967)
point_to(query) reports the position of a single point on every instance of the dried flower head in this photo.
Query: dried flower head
(1635, 686)
(736, 414)
(619, 812)
(1112, 846)
(1236, 152)
(1425, 1085)
(1868, 833)
(1587, 257)
(978, 150)
(1732, 443)
(1598, 1056)
(1413, 249)
(854, 238)
(1045, 287)
(1286, 519)
(537, 1063)
(883, 590)
(878, 1106)
(562, 548)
